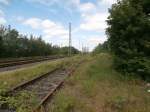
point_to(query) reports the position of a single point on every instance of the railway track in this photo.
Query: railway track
(44, 86)
(9, 63)
(4, 60)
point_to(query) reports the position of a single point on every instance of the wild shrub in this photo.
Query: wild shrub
(129, 36)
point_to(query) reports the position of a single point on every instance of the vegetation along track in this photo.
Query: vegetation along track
(9, 63)
(44, 86)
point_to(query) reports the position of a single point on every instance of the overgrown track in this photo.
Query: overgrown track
(45, 85)
(8, 63)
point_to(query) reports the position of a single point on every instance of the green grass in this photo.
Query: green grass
(25, 101)
(97, 87)
(12, 78)
(22, 102)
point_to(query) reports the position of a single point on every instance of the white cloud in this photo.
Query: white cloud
(47, 24)
(68, 5)
(1, 13)
(49, 28)
(93, 41)
(91, 17)
(33, 22)
(107, 2)
(19, 18)
(94, 22)
(44, 2)
(58, 2)
(87, 7)
(2, 18)
(96, 40)
(5, 2)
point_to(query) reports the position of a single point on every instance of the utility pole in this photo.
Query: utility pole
(69, 48)
(80, 49)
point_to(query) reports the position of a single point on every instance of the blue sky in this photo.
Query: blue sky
(50, 19)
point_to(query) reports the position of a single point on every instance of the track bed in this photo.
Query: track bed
(43, 87)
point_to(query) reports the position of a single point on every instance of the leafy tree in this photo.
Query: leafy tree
(64, 50)
(101, 48)
(13, 44)
(129, 36)
(1, 46)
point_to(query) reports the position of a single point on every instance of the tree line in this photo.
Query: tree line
(129, 37)
(101, 47)
(13, 44)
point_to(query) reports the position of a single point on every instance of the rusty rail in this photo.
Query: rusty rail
(51, 93)
(22, 85)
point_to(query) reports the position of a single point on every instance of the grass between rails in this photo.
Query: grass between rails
(26, 101)
(97, 87)
(12, 78)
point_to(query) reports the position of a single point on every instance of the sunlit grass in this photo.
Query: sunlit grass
(27, 101)
(97, 87)
(12, 78)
